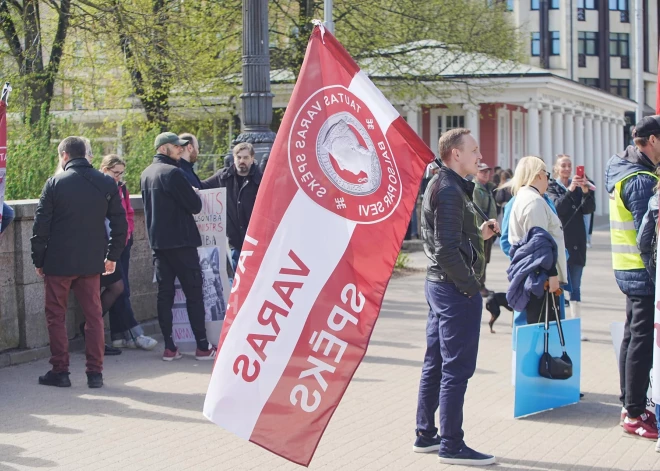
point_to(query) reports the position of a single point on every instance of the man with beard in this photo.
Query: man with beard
(242, 179)
(169, 205)
(188, 159)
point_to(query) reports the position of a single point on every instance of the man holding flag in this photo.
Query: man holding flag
(454, 244)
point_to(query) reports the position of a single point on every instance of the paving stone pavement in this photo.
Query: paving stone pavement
(148, 415)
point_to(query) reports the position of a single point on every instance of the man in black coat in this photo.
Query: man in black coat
(70, 250)
(454, 244)
(242, 181)
(169, 205)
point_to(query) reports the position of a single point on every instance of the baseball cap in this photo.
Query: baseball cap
(484, 166)
(647, 127)
(168, 138)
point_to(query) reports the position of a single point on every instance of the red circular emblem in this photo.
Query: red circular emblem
(341, 159)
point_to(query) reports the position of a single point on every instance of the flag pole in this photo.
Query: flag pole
(327, 16)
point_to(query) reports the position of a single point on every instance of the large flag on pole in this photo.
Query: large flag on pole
(3, 145)
(655, 380)
(329, 220)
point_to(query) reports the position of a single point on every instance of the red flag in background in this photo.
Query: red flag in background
(3, 147)
(331, 214)
(657, 90)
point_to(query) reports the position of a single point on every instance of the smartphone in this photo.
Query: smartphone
(579, 171)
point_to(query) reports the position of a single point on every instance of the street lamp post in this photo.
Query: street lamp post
(257, 99)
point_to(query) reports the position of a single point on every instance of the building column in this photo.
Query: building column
(546, 136)
(621, 146)
(614, 149)
(412, 116)
(579, 138)
(557, 132)
(532, 129)
(590, 148)
(592, 159)
(472, 119)
(569, 139)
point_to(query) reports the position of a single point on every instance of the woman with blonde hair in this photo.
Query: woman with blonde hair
(531, 210)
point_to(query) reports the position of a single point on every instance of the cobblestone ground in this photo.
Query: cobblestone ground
(148, 416)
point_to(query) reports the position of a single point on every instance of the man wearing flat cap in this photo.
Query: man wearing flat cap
(630, 179)
(169, 205)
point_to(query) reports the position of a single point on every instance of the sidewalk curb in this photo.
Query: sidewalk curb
(76, 344)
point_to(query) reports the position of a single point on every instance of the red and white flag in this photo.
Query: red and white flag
(3, 149)
(331, 213)
(655, 373)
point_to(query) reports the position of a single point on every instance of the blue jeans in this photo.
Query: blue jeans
(575, 273)
(452, 342)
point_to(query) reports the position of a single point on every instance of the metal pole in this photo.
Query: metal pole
(257, 109)
(639, 61)
(327, 16)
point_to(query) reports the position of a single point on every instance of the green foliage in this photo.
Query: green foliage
(401, 261)
(31, 159)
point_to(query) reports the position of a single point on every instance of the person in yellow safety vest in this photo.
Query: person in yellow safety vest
(630, 179)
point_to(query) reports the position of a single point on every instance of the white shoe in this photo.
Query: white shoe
(657, 446)
(123, 343)
(145, 343)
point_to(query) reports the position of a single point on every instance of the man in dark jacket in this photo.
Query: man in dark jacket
(70, 250)
(453, 242)
(169, 204)
(188, 159)
(630, 180)
(242, 181)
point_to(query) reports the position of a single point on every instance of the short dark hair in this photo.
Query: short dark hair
(74, 146)
(452, 139)
(186, 136)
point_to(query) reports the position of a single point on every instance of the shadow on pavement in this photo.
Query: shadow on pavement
(11, 455)
(544, 465)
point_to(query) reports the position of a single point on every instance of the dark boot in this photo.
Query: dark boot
(60, 380)
(109, 351)
(94, 380)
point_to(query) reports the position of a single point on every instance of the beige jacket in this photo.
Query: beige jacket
(531, 210)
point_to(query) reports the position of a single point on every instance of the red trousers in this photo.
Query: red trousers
(88, 294)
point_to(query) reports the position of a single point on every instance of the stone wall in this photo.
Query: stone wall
(22, 319)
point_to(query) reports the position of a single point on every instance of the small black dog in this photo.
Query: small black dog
(494, 302)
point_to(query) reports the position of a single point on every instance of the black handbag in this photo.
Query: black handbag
(554, 367)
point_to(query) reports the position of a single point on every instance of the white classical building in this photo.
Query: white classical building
(514, 110)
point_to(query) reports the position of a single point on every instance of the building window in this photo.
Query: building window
(619, 44)
(535, 4)
(509, 5)
(618, 5)
(620, 87)
(536, 44)
(555, 43)
(590, 82)
(454, 122)
(588, 43)
(554, 4)
(588, 4)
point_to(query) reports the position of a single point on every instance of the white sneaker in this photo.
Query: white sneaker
(657, 446)
(123, 343)
(145, 343)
